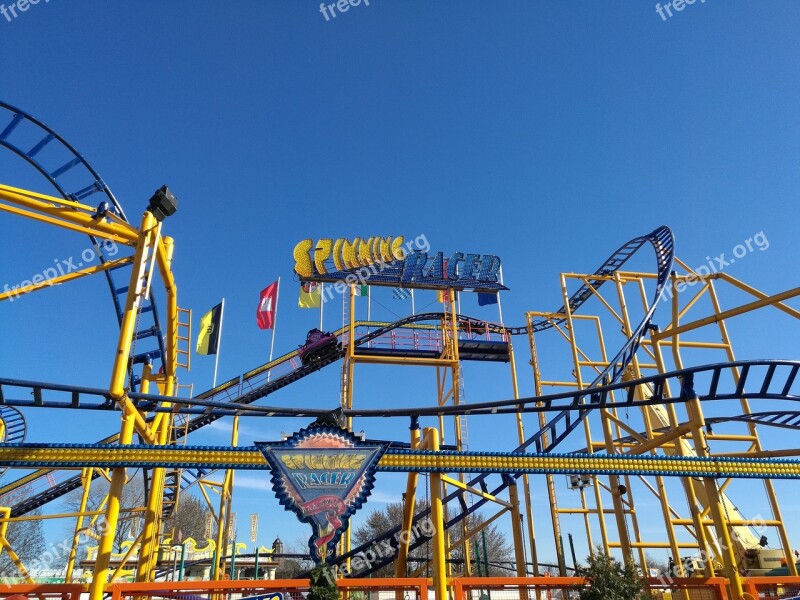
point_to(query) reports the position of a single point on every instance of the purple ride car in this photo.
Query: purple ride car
(319, 345)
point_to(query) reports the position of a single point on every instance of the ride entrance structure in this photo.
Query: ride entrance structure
(642, 411)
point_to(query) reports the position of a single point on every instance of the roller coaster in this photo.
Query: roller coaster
(661, 452)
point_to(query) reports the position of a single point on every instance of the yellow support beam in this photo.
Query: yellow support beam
(733, 312)
(47, 283)
(463, 486)
(5, 513)
(71, 216)
(660, 440)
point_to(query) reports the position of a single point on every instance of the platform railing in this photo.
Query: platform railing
(774, 588)
(43, 591)
(568, 588)
(461, 588)
(291, 589)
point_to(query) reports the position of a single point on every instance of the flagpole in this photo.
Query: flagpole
(274, 325)
(413, 310)
(499, 305)
(321, 303)
(219, 343)
(369, 304)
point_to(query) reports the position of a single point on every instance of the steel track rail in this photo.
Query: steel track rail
(776, 382)
(663, 243)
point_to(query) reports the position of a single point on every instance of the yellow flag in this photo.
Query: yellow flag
(310, 295)
(210, 328)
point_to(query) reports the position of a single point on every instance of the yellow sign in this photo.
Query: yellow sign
(346, 254)
(323, 461)
(387, 261)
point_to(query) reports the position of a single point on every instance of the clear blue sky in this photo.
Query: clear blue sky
(547, 133)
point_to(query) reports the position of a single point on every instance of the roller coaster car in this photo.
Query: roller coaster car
(472, 327)
(319, 345)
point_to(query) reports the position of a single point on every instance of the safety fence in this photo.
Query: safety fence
(290, 589)
(773, 588)
(461, 588)
(516, 588)
(44, 591)
(568, 588)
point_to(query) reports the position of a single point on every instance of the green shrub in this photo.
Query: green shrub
(323, 584)
(610, 580)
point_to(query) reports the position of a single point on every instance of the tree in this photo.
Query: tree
(610, 580)
(25, 537)
(499, 555)
(290, 568)
(128, 522)
(379, 522)
(654, 563)
(295, 568)
(188, 518)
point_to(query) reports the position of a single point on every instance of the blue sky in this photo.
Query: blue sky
(547, 133)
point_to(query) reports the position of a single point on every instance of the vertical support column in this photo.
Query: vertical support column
(86, 482)
(162, 424)
(701, 448)
(437, 515)
(616, 495)
(138, 286)
(619, 503)
(409, 504)
(586, 522)
(347, 541)
(791, 564)
(598, 499)
(526, 488)
(152, 521)
(455, 376)
(516, 528)
(225, 501)
(106, 545)
(691, 497)
(148, 235)
(551, 488)
(715, 503)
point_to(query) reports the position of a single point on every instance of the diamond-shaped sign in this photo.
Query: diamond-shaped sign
(323, 475)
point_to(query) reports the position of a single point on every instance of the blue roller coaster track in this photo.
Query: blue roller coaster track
(234, 391)
(74, 179)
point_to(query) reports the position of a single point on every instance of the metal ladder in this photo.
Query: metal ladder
(184, 344)
(173, 477)
(179, 429)
(345, 380)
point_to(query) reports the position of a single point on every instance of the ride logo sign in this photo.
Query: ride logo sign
(323, 475)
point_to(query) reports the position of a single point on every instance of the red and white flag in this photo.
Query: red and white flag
(267, 307)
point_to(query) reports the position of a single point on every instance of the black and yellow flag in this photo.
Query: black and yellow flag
(210, 327)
